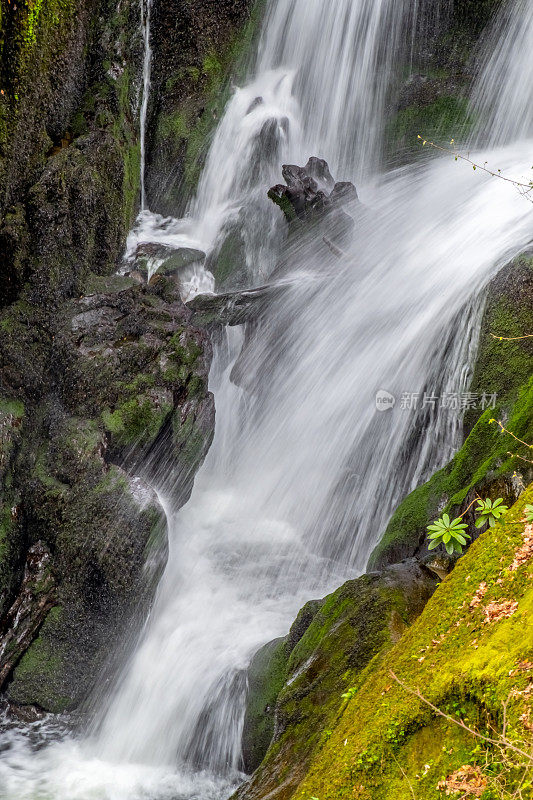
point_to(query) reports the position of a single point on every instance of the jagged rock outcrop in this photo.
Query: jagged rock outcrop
(234, 308)
(103, 382)
(69, 151)
(36, 597)
(106, 397)
(197, 46)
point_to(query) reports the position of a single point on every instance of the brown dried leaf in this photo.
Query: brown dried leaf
(525, 552)
(467, 780)
(497, 610)
(479, 595)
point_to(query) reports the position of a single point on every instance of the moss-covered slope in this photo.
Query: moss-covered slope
(469, 653)
(330, 639)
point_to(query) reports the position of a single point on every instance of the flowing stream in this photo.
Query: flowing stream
(304, 470)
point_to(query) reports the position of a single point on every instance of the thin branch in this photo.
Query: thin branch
(475, 500)
(405, 776)
(459, 722)
(524, 188)
(522, 458)
(504, 430)
(512, 338)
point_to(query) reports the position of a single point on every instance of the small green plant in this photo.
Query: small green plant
(451, 533)
(528, 511)
(349, 693)
(489, 512)
(448, 532)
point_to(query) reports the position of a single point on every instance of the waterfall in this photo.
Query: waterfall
(146, 11)
(304, 470)
(504, 94)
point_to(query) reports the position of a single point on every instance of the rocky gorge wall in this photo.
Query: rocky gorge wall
(103, 382)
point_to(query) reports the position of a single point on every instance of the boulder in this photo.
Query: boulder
(165, 259)
(102, 402)
(296, 683)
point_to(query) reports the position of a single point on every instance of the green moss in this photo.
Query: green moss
(11, 408)
(267, 675)
(38, 671)
(186, 127)
(188, 440)
(385, 737)
(445, 118)
(138, 420)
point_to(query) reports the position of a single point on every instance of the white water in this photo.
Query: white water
(146, 13)
(505, 89)
(304, 470)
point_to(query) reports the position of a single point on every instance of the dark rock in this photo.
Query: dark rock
(67, 168)
(114, 398)
(196, 47)
(440, 564)
(258, 101)
(36, 597)
(311, 194)
(166, 259)
(234, 308)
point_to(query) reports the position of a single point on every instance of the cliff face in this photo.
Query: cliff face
(69, 155)
(197, 48)
(103, 383)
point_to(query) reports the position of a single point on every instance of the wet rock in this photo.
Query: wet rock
(196, 47)
(113, 401)
(312, 198)
(234, 308)
(258, 101)
(440, 564)
(165, 259)
(36, 597)
(297, 681)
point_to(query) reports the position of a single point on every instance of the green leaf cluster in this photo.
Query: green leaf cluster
(450, 533)
(489, 512)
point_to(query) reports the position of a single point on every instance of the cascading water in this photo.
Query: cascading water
(146, 12)
(304, 470)
(504, 93)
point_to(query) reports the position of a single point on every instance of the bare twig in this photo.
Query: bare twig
(510, 433)
(405, 776)
(511, 338)
(502, 741)
(523, 188)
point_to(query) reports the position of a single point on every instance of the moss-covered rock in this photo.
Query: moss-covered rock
(197, 46)
(490, 462)
(469, 654)
(441, 68)
(69, 155)
(113, 396)
(338, 636)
